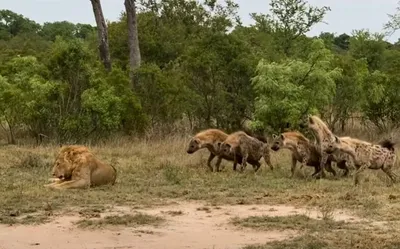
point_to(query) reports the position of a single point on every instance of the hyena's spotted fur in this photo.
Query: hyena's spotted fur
(209, 139)
(251, 149)
(324, 137)
(367, 155)
(303, 151)
(206, 139)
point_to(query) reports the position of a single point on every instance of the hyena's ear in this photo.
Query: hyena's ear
(274, 136)
(337, 140)
(310, 119)
(282, 137)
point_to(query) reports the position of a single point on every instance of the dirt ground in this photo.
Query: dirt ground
(196, 226)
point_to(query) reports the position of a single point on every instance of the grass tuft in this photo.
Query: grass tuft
(291, 222)
(124, 220)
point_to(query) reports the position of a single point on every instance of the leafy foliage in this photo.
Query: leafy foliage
(199, 65)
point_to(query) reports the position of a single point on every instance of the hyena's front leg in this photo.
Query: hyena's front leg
(267, 159)
(292, 169)
(210, 158)
(324, 159)
(218, 163)
(303, 162)
(328, 167)
(244, 161)
(235, 161)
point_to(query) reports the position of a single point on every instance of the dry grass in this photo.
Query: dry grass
(156, 172)
(138, 219)
(340, 239)
(291, 222)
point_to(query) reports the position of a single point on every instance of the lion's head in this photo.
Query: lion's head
(62, 168)
(64, 164)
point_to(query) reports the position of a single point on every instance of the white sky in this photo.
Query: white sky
(345, 15)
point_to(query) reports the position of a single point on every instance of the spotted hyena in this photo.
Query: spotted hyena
(324, 137)
(303, 151)
(251, 149)
(366, 155)
(206, 139)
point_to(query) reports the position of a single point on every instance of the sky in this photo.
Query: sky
(344, 17)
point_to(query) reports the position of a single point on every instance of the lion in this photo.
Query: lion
(76, 167)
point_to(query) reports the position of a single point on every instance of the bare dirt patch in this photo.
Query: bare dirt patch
(188, 225)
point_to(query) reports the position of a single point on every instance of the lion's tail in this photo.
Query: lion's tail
(115, 177)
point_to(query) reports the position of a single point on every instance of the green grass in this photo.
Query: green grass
(123, 220)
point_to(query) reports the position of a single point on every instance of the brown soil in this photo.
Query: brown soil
(197, 227)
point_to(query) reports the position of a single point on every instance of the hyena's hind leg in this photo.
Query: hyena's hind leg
(343, 166)
(388, 170)
(358, 172)
(244, 161)
(256, 165)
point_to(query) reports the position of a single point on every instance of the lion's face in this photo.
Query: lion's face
(62, 169)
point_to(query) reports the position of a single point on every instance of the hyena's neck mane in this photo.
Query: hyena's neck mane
(296, 137)
(323, 131)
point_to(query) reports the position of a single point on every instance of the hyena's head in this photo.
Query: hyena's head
(278, 142)
(225, 149)
(194, 145)
(332, 145)
(312, 123)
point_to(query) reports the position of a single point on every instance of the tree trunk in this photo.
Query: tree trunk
(133, 39)
(102, 34)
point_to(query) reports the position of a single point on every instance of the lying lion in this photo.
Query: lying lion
(76, 167)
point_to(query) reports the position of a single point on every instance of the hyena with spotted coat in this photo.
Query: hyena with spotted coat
(367, 155)
(303, 151)
(208, 139)
(324, 137)
(250, 149)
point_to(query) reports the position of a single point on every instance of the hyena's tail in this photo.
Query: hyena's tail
(388, 144)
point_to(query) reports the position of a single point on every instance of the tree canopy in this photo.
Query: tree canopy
(199, 66)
